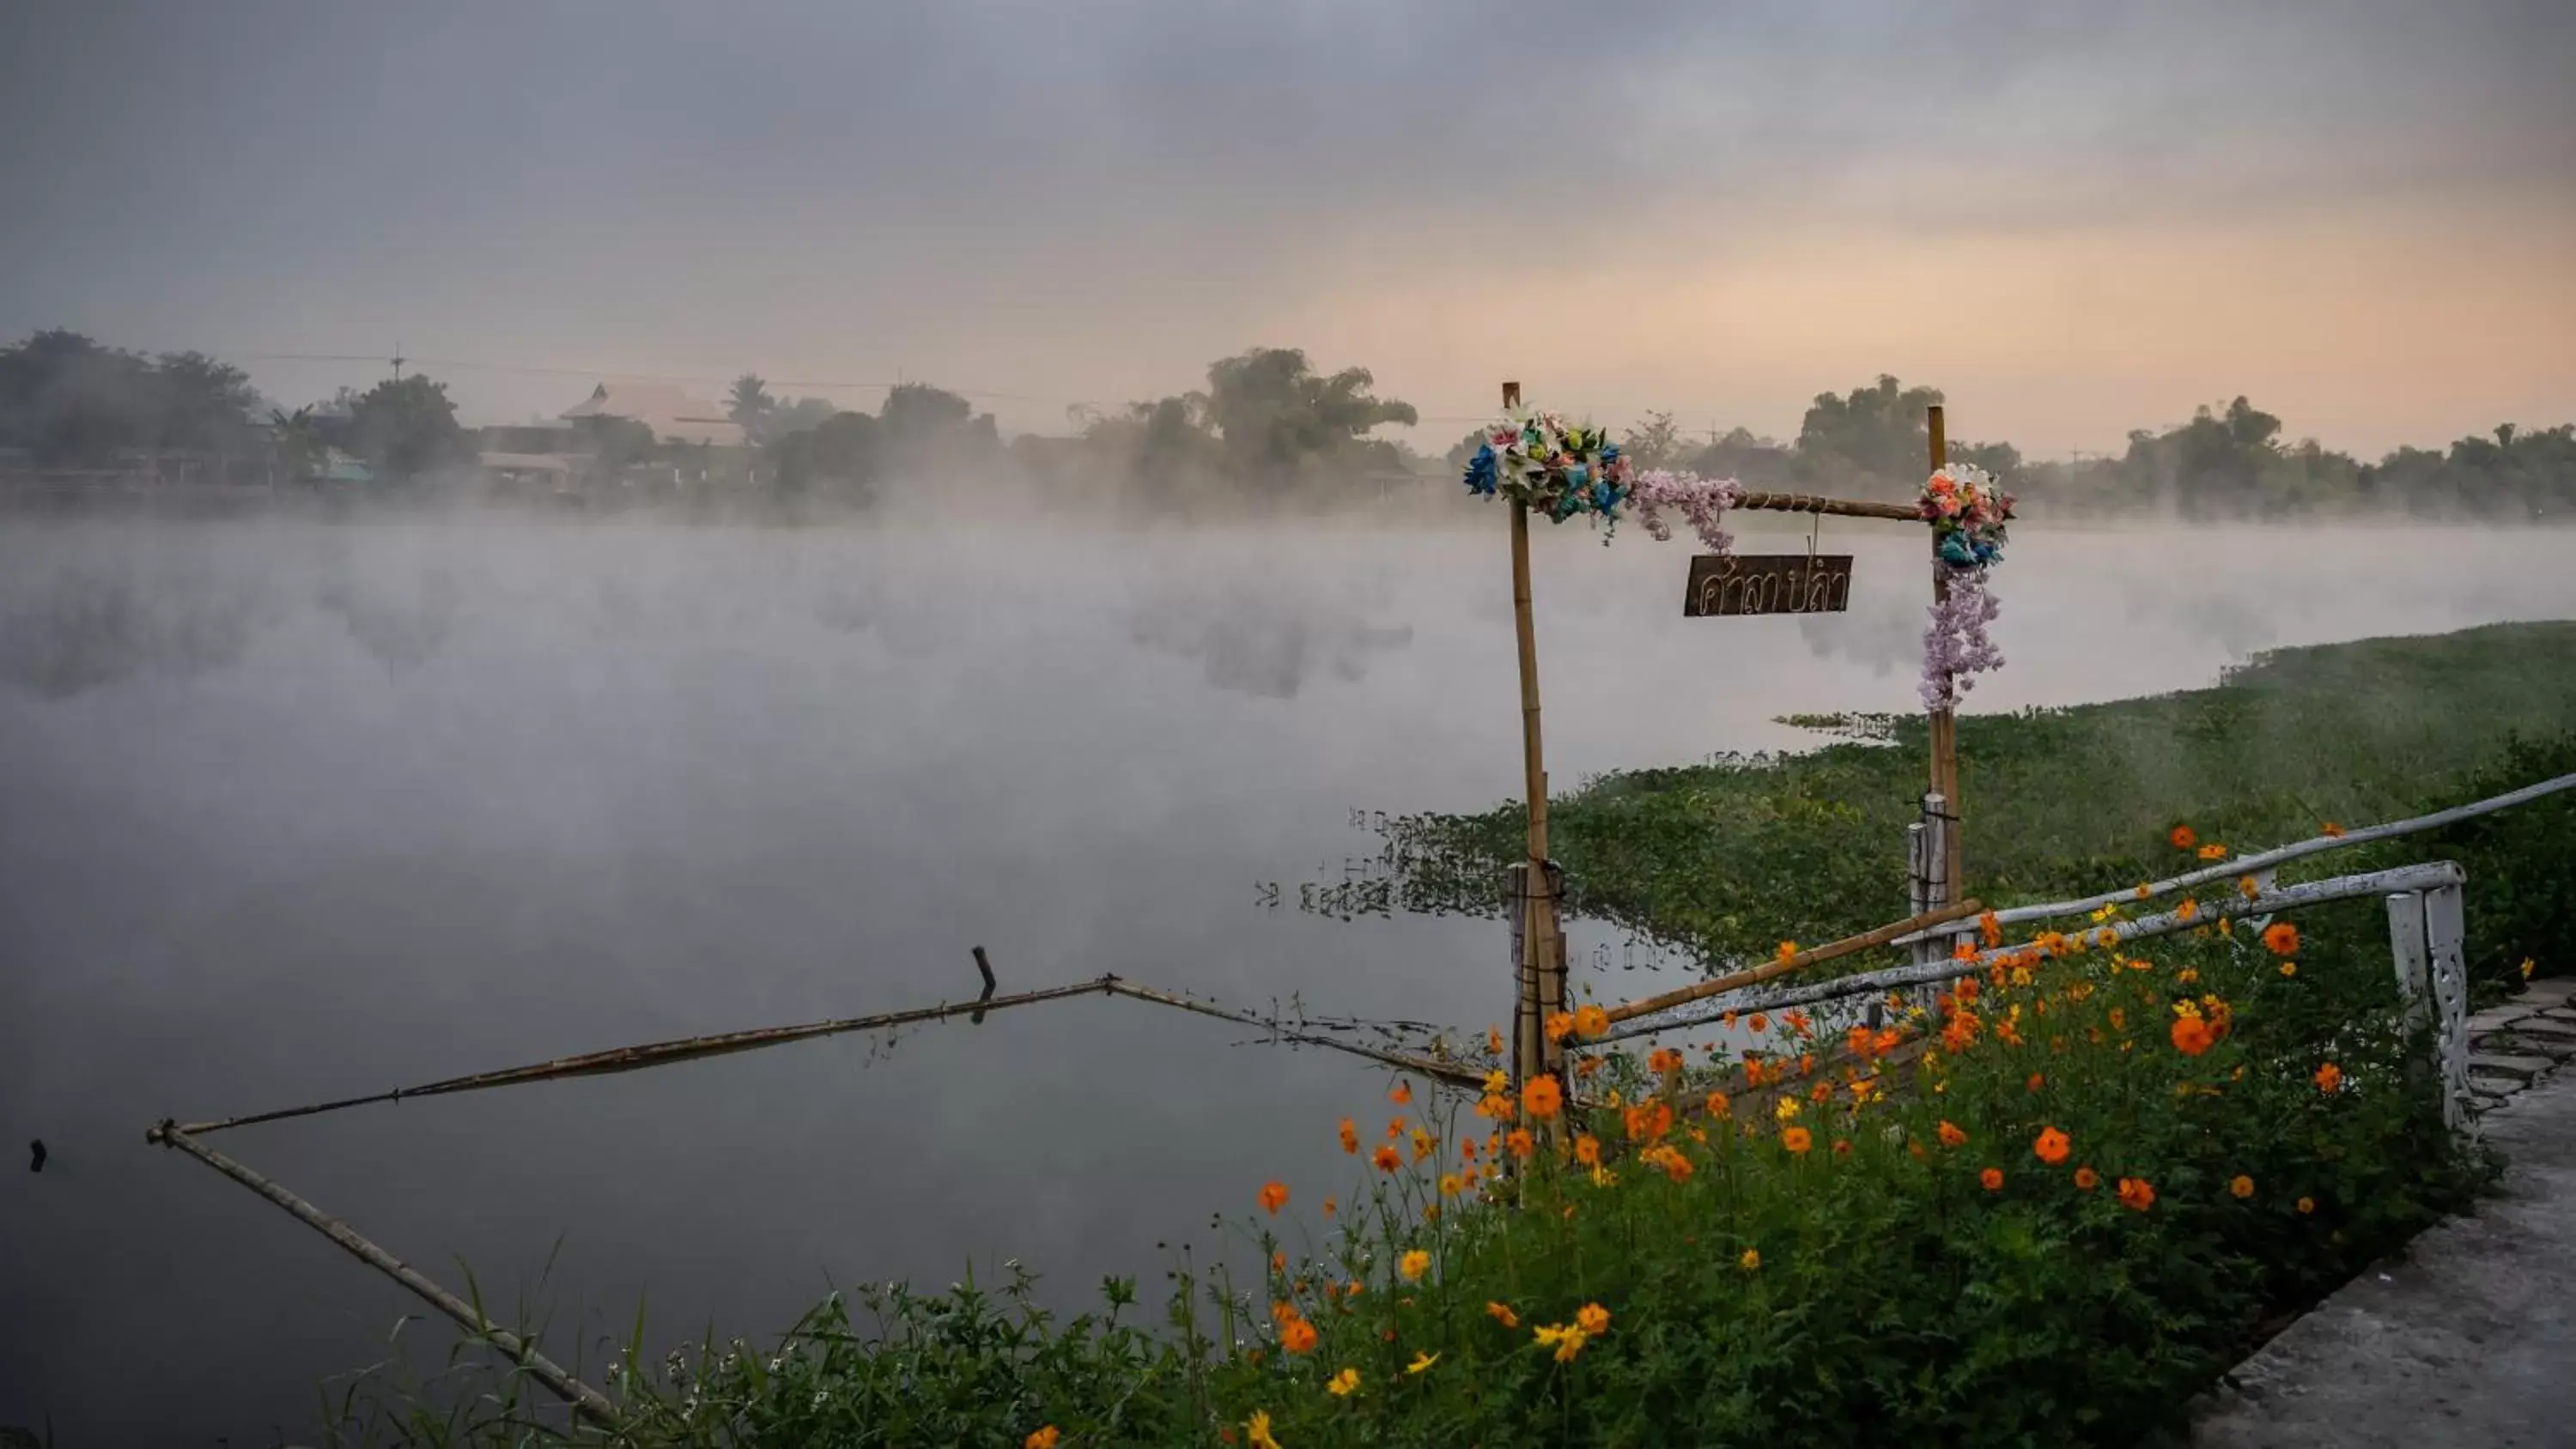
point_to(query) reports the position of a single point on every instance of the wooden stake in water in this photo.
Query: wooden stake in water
(1945, 730)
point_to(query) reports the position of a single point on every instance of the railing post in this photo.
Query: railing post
(2406, 946)
(2444, 940)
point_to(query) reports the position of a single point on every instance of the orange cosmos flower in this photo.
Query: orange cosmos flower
(1520, 1143)
(1297, 1336)
(1560, 1025)
(1467, 1148)
(1394, 1128)
(2329, 1077)
(1951, 1136)
(1350, 1136)
(2087, 1179)
(2241, 1186)
(1329, 1206)
(1413, 1265)
(1991, 928)
(2281, 938)
(2035, 1083)
(1587, 1150)
(1797, 1139)
(1274, 1196)
(1590, 1020)
(2192, 1035)
(1993, 1178)
(1424, 1144)
(1751, 1260)
(2213, 851)
(1541, 1097)
(1043, 1439)
(1494, 1040)
(1842, 1148)
(1963, 950)
(2331, 829)
(1593, 1318)
(1402, 1095)
(2189, 910)
(2051, 1147)
(1787, 952)
(2136, 1195)
(1759, 1022)
(1386, 1159)
(1663, 1060)
(1716, 1104)
(2248, 887)
(1502, 1314)
(2183, 837)
(2307, 1205)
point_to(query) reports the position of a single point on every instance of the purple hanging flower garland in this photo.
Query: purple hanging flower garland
(1967, 513)
(1701, 501)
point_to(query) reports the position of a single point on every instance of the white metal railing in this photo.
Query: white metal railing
(2426, 936)
(2261, 865)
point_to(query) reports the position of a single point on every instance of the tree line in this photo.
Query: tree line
(1268, 428)
(2229, 461)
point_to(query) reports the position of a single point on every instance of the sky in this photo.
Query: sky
(2075, 219)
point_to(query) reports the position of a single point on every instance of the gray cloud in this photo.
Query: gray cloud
(697, 187)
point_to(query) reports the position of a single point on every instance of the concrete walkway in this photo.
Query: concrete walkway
(2470, 1338)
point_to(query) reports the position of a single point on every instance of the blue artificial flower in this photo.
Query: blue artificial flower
(1603, 496)
(1481, 476)
(1609, 452)
(1577, 475)
(1956, 553)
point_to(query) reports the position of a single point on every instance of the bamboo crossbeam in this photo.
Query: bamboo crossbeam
(586, 1401)
(1878, 936)
(664, 1053)
(1838, 507)
(1450, 1072)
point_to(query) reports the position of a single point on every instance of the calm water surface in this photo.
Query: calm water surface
(294, 810)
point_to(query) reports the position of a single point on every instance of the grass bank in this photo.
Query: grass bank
(1730, 857)
(2094, 1180)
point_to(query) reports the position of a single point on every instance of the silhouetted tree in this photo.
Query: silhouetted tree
(407, 428)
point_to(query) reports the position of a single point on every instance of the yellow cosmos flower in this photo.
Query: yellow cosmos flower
(1344, 1384)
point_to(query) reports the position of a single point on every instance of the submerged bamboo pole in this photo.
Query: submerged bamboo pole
(1877, 936)
(586, 1401)
(683, 1049)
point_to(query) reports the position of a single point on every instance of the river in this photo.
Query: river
(292, 810)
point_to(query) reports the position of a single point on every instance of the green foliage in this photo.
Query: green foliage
(1874, 438)
(750, 405)
(1835, 1270)
(1730, 857)
(69, 401)
(2522, 895)
(407, 427)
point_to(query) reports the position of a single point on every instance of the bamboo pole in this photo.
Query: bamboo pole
(586, 1401)
(1945, 726)
(1877, 936)
(665, 1053)
(1838, 507)
(1538, 948)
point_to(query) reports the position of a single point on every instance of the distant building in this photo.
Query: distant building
(673, 415)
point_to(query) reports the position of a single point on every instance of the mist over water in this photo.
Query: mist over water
(293, 810)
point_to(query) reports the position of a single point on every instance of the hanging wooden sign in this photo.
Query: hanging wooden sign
(1768, 583)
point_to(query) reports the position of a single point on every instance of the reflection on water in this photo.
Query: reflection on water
(291, 811)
